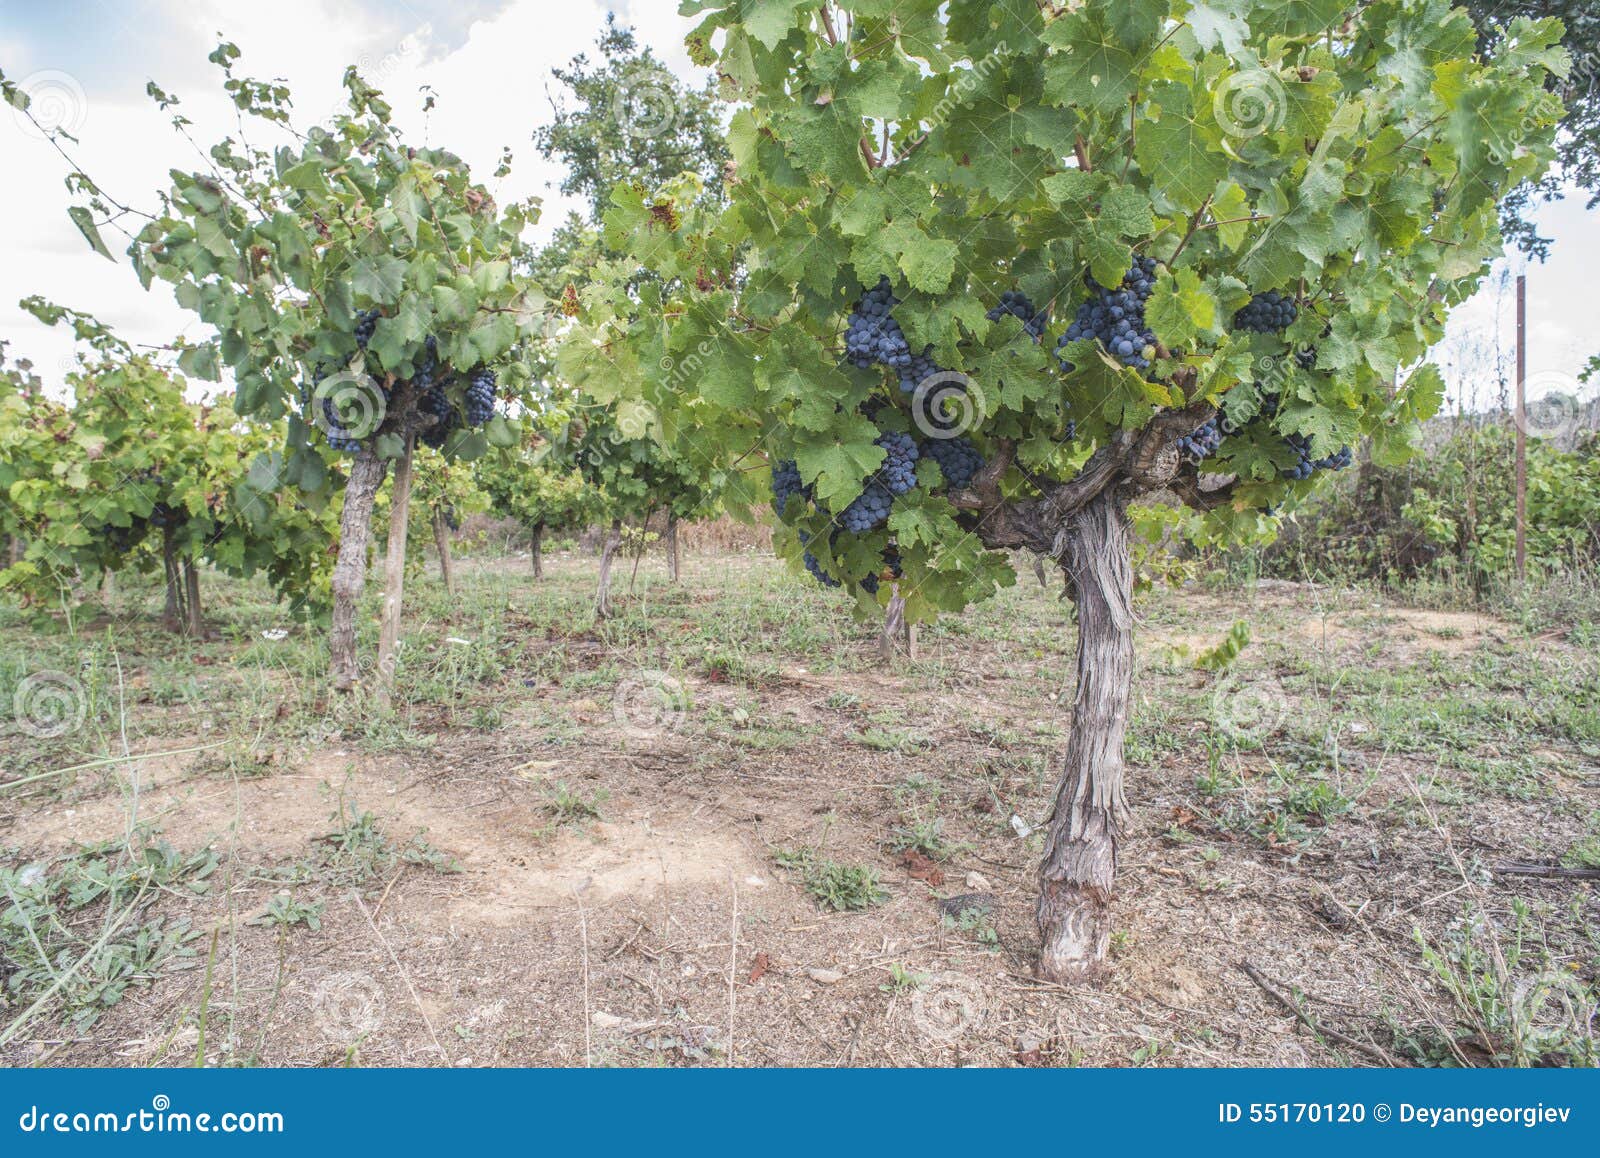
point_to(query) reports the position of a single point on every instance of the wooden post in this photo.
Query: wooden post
(194, 617)
(674, 558)
(394, 578)
(441, 541)
(1522, 426)
(537, 549)
(350, 572)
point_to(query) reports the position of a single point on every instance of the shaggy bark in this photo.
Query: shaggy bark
(172, 617)
(441, 541)
(1080, 859)
(537, 549)
(194, 618)
(394, 579)
(674, 559)
(602, 598)
(350, 571)
(898, 634)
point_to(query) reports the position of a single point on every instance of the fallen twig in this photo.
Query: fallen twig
(1547, 870)
(1310, 1023)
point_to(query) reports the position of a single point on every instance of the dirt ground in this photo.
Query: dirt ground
(588, 844)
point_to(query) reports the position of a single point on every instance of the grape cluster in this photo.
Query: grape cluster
(818, 573)
(869, 510)
(873, 336)
(1306, 359)
(918, 371)
(899, 470)
(1116, 317)
(958, 459)
(338, 435)
(1016, 303)
(480, 397)
(1266, 313)
(1338, 460)
(1203, 443)
(891, 563)
(436, 403)
(786, 484)
(366, 323)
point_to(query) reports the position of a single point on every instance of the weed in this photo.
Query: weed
(840, 887)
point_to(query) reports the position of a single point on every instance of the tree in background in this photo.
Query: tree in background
(130, 475)
(1578, 148)
(523, 484)
(1019, 266)
(443, 493)
(365, 288)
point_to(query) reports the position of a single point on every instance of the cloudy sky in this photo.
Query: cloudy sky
(488, 62)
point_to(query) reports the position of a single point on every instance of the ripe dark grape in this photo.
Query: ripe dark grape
(1338, 460)
(1303, 467)
(873, 336)
(480, 398)
(1267, 313)
(891, 563)
(1116, 317)
(899, 470)
(786, 484)
(337, 434)
(1016, 303)
(1203, 443)
(818, 573)
(1306, 359)
(958, 460)
(869, 510)
(918, 370)
(366, 323)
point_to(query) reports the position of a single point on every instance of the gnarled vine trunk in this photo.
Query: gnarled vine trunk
(441, 541)
(172, 616)
(674, 558)
(1080, 860)
(602, 598)
(537, 549)
(350, 571)
(394, 579)
(898, 634)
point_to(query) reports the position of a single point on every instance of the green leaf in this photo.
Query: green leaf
(84, 220)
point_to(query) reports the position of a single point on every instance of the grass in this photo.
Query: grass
(939, 757)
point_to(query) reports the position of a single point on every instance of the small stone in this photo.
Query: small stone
(825, 976)
(979, 883)
(604, 1020)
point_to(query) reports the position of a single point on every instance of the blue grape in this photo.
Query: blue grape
(1266, 313)
(786, 484)
(1203, 443)
(1116, 317)
(870, 509)
(899, 470)
(958, 460)
(480, 398)
(1016, 303)
(366, 323)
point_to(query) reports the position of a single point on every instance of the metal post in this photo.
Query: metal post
(1522, 426)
